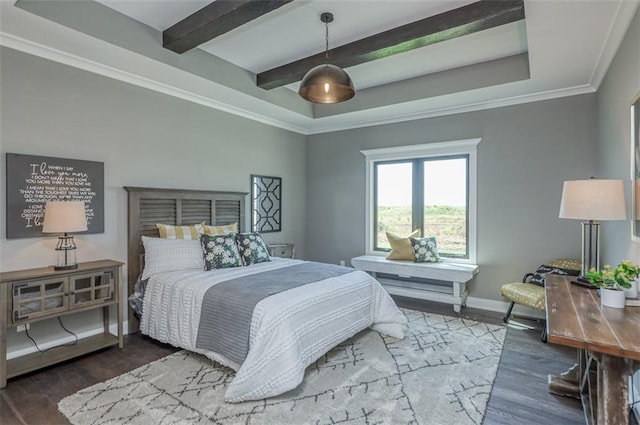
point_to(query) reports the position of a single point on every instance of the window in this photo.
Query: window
(430, 194)
(428, 187)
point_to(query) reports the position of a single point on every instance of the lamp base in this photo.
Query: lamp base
(68, 267)
(66, 253)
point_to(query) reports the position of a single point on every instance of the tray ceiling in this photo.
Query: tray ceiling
(560, 48)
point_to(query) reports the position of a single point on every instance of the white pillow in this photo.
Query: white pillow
(167, 255)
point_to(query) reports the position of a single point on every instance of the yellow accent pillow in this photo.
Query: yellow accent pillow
(168, 231)
(220, 230)
(401, 248)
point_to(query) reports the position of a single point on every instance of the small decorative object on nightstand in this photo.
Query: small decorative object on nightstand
(284, 250)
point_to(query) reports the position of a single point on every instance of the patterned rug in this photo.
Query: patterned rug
(441, 373)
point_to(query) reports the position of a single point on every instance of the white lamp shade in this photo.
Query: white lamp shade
(64, 217)
(593, 199)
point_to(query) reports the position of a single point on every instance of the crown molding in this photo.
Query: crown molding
(472, 107)
(65, 58)
(617, 30)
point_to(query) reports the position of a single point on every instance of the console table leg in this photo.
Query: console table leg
(613, 390)
(105, 319)
(567, 383)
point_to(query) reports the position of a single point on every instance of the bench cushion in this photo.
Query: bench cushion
(525, 293)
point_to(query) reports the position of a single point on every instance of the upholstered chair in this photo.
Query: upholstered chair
(530, 292)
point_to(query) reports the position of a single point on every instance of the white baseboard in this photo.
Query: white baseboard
(473, 302)
(502, 306)
(12, 354)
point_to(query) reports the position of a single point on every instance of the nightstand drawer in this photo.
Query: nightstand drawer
(284, 250)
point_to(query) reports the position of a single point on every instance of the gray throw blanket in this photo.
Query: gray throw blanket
(227, 307)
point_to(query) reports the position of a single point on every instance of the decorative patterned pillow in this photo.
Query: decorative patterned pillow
(425, 250)
(167, 255)
(168, 231)
(220, 251)
(252, 248)
(538, 277)
(401, 248)
(219, 230)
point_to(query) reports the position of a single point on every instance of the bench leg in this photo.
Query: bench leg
(505, 319)
(459, 292)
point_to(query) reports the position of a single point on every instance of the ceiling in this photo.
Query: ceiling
(560, 48)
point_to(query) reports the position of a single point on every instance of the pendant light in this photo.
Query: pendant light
(326, 83)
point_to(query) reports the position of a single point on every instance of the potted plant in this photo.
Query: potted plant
(633, 272)
(612, 282)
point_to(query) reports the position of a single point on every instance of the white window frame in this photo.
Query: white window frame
(428, 150)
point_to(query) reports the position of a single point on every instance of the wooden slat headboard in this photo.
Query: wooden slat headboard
(149, 206)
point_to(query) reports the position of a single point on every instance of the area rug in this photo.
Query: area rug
(442, 372)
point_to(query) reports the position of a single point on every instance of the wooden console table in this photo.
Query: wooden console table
(608, 346)
(28, 296)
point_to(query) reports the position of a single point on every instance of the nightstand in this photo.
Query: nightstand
(284, 250)
(27, 296)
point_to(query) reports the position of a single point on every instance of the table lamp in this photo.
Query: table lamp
(65, 217)
(592, 200)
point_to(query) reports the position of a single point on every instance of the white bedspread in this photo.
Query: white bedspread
(289, 330)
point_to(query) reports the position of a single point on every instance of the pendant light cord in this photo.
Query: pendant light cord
(326, 41)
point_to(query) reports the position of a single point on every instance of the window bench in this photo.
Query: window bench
(407, 278)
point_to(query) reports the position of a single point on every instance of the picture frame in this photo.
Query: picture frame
(635, 168)
(266, 204)
(32, 180)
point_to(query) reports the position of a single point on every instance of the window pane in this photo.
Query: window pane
(393, 201)
(445, 204)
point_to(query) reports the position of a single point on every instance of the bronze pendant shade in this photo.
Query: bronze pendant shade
(326, 83)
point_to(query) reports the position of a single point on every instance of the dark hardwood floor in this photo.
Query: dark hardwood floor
(519, 394)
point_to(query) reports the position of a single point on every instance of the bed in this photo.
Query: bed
(288, 330)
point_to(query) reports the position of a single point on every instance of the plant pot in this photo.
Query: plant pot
(633, 291)
(612, 298)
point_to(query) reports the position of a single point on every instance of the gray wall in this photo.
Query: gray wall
(620, 86)
(526, 153)
(144, 139)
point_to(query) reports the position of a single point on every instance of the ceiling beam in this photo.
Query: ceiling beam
(434, 29)
(213, 20)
